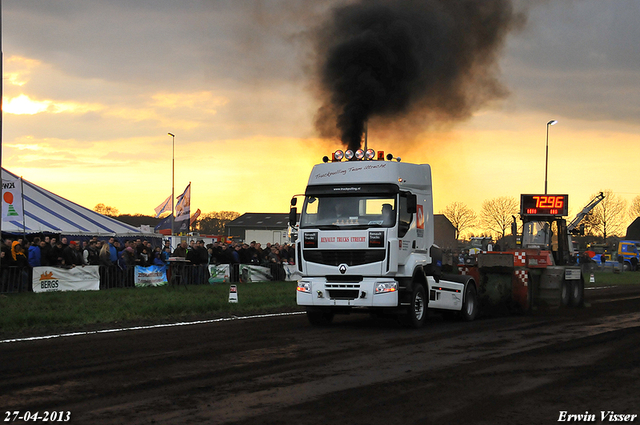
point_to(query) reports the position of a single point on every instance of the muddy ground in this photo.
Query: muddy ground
(524, 369)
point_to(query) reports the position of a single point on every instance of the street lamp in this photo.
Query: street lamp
(173, 170)
(546, 161)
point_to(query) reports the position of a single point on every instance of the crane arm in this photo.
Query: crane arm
(586, 210)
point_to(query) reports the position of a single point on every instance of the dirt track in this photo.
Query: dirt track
(280, 370)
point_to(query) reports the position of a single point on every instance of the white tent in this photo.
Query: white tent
(46, 212)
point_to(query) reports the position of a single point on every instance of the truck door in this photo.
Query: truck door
(406, 227)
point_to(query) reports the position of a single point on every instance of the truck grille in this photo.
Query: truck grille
(348, 257)
(343, 291)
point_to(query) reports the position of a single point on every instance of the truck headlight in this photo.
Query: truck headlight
(383, 287)
(304, 286)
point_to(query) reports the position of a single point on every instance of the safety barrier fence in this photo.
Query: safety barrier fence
(48, 279)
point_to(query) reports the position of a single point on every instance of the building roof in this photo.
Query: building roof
(261, 221)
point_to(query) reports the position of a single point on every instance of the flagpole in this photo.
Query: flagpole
(173, 173)
(24, 226)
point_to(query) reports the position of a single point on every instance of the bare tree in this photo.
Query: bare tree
(634, 209)
(106, 210)
(497, 214)
(608, 218)
(213, 223)
(461, 216)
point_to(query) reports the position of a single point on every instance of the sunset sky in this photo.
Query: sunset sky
(91, 89)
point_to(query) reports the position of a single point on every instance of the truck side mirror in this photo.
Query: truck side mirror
(412, 204)
(294, 201)
(293, 216)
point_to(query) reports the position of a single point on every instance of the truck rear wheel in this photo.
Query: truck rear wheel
(417, 311)
(470, 304)
(320, 318)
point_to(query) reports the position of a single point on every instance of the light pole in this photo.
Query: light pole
(173, 173)
(546, 160)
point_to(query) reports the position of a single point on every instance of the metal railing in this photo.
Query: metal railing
(19, 279)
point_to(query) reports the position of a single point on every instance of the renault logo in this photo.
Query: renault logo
(342, 268)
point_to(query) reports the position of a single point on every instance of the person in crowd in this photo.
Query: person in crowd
(56, 253)
(144, 259)
(35, 254)
(273, 256)
(198, 254)
(166, 254)
(91, 254)
(113, 251)
(158, 257)
(129, 257)
(181, 250)
(44, 252)
(235, 254)
(104, 258)
(72, 255)
(22, 264)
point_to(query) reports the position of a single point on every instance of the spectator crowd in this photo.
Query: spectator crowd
(18, 257)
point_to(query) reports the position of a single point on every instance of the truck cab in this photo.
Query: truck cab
(366, 242)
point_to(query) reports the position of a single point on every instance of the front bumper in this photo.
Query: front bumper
(318, 292)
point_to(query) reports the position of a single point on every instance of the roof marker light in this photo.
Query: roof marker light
(348, 155)
(369, 154)
(359, 154)
(338, 155)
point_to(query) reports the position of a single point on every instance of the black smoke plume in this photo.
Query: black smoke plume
(396, 57)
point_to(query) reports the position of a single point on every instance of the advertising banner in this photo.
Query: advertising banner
(52, 279)
(251, 273)
(12, 200)
(150, 276)
(219, 273)
(291, 272)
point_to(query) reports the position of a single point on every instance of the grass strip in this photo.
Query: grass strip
(33, 313)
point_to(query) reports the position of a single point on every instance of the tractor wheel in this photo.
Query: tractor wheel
(577, 293)
(565, 293)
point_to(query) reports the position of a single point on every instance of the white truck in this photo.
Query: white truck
(366, 243)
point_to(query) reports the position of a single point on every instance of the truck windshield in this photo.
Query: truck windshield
(336, 211)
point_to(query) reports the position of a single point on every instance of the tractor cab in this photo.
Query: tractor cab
(543, 225)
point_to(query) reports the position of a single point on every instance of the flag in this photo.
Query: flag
(164, 227)
(163, 207)
(12, 200)
(194, 217)
(183, 206)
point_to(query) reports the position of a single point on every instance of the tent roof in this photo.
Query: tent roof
(46, 212)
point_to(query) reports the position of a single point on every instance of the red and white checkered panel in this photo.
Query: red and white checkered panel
(520, 259)
(523, 277)
(464, 271)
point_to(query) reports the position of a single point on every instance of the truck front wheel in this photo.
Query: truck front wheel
(417, 310)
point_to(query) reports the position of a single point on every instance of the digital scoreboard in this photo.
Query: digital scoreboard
(547, 205)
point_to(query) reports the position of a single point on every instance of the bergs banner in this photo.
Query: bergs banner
(52, 279)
